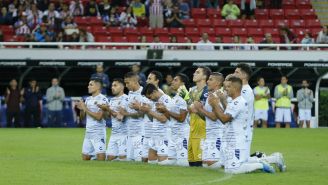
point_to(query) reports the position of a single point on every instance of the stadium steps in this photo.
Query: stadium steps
(321, 8)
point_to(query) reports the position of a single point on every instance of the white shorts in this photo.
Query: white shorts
(304, 114)
(283, 115)
(117, 145)
(261, 115)
(134, 148)
(160, 144)
(178, 148)
(94, 144)
(234, 158)
(146, 141)
(212, 149)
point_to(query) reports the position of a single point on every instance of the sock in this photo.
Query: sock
(199, 164)
(246, 168)
(253, 160)
(191, 163)
(205, 165)
(152, 161)
(167, 162)
(122, 159)
(182, 162)
(270, 159)
(215, 165)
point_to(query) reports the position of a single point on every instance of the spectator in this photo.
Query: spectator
(64, 12)
(55, 97)
(174, 21)
(156, 19)
(142, 77)
(212, 4)
(105, 7)
(167, 86)
(189, 41)
(112, 19)
(52, 15)
(5, 16)
(158, 42)
(250, 40)
(323, 36)
(173, 39)
(13, 12)
(21, 27)
(248, 8)
(1, 36)
(195, 3)
(60, 37)
(143, 39)
(32, 98)
(127, 18)
(287, 36)
(69, 26)
(307, 39)
(283, 94)
(143, 21)
(138, 8)
(104, 77)
(42, 32)
(261, 103)
(13, 98)
(43, 5)
(34, 16)
(230, 11)
(184, 9)
(86, 36)
(267, 40)
(208, 44)
(236, 40)
(218, 40)
(305, 100)
(91, 9)
(74, 37)
(76, 8)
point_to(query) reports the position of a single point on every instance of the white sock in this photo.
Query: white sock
(270, 159)
(167, 162)
(182, 162)
(215, 165)
(205, 165)
(253, 160)
(246, 168)
(122, 159)
(152, 161)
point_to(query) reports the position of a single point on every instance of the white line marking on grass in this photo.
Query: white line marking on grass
(224, 178)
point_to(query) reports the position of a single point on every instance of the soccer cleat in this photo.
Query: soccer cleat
(280, 162)
(267, 168)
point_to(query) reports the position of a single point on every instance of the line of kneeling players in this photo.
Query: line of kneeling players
(150, 126)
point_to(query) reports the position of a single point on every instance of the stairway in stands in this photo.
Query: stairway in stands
(321, 8)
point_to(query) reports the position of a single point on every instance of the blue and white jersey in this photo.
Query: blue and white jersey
(93, 125)
(161, 129)
(134, 125)
(248, 95)
(147, 123)
(178, 129)
(214, 129)
(115, 103)
(235, 132)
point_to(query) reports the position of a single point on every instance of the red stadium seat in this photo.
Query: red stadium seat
(251, 23)
(277, 14)
(195, 39)
(203, 23)
(261, 14)
(302, 31)
(288, 4)
(82, 21)
(227, 40)
(101, 38)
(131, 31)
(191, 32)
(119, 39)
(223, 31)
(177, 31)
(165, 39)
(313, 23)
(308, 14)
(161, 31)
(209, 31)
(266, 23)
(296, 23)
(95, 21)
(214, 13)
(133, 38)
(115, 31)
(219, 23)
(242, 32)
(292, 14)
(7, 29)
(258, 39)
(274, 31)
(315, 31)
(303, 4)
(281, 22)
(255, 32)
(146, 31)
(236, 23)
(198, 13)
(100, 30)
(189, 22)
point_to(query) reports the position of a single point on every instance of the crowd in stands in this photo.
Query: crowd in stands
(60, 21)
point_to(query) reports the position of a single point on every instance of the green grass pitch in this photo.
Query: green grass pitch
(52, 156)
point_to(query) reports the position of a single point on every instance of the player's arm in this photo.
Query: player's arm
(224, 118)
(203, 112)
(107, 112)
(95, 115)
(180, 117)
(125, 113)
(159, 116)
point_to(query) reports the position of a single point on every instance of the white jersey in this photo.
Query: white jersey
(147, 123)
(161, 129)
(248, 95)
(93, 125)
(235, 134)
(134, 125)
(115, 103)
(178, 129)
(213, 128)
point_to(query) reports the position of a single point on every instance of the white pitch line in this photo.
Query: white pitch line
(224, 178)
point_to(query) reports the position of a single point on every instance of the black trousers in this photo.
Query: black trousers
(32, 117)
(13, 118)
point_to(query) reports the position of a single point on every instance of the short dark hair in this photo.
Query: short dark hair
(259, 78)
(206, 71)
(158, 75)
(97, 80)
(184, 78)
(130, 75)
(119, 80)
(149, 89)
(246, 69)
(219, 75)
(236, 80)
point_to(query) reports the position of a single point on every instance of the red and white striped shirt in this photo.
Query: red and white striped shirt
(156, 8)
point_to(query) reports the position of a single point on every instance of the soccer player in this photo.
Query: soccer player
(116, 149)
(197, 122)
(179, 132)
(158, 152)
(134, 118)
(213, 144)
(261, 104)
(236, 119)
(95, 135)
(244, 72)
(305, 100)
(283, 94)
